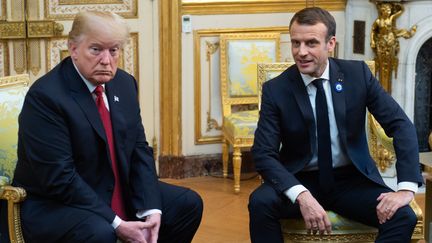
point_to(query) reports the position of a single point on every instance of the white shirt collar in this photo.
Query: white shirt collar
(307, 79)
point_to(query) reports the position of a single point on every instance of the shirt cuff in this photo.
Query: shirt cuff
(117, 221)
(407, 185)
(293, 192)
(144, 213)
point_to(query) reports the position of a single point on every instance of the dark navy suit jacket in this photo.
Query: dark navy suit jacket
(285, 137)
(63, 155)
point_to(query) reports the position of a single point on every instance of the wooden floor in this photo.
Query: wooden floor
(225, 217)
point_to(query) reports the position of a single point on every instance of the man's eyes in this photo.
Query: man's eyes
(97, 50)
(114, 51)
(307, 43)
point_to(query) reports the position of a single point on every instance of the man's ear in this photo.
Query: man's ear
(72, 47)
(331, 44)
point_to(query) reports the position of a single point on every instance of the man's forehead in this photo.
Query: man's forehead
(308, 31)
(102, 40)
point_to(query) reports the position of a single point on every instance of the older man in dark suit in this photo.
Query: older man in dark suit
(82, 154)
(311, 149)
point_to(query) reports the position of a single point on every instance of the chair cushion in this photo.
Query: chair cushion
(11, 101)
(241, 124)
(340, 225)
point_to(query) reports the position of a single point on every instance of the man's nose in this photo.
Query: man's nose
(303, 50)
(105, 57)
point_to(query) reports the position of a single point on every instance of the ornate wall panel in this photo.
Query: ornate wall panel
(57, 50)
(208, 110)
(2, 9)
(66, 9)
(4, 59)
(255, 6)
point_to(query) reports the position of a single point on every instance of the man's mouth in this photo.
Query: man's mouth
(303, 62)
(103, 73)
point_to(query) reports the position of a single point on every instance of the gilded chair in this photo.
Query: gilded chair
(344, 230)
(12, 93)
(239, 54)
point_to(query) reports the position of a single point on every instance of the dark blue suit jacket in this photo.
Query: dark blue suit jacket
(285, 137)
(63, 156)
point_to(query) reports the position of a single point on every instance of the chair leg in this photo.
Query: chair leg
(237, 168)
(225, 158)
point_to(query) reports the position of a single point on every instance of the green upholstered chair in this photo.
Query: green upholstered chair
(12, 93)
(344, 230)
(239, 55)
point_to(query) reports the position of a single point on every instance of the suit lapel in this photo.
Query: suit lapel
(82, 96)
(302, 98)
(117, 117)
(337, 78)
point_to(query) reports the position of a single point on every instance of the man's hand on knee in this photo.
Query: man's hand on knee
(390, 202)
(314, 215)
(133, 231)
(151, 233)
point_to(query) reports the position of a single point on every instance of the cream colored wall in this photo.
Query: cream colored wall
(236, 21)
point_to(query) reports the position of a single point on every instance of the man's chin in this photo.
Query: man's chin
(101, 79)
(306, 71)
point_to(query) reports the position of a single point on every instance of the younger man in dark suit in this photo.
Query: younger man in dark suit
(82, 153)
(311, 149)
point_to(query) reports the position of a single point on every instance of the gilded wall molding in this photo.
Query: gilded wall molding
(13, 30)
(3, 10)
(170, 78)
(200, 7)
(202, 136)
(57, 50)
(4, 59)
(17, 13)
(19, 52)
(76, 2)
(43, 28)
(34, 56)
(66, 9)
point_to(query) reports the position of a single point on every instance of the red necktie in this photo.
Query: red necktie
(117, 198)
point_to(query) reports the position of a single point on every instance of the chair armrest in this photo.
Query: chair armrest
(13, 195)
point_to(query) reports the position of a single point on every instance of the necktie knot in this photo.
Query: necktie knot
(99, 90)
(318, 83)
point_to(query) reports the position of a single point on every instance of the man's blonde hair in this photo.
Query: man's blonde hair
(109, 24)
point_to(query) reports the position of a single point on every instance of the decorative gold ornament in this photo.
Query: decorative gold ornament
(385, 43)
(380, 145)
(12, 30)
(211, 122)
(44, 28)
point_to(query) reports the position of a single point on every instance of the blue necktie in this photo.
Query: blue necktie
(325, 164)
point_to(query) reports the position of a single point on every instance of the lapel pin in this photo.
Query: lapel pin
(338, 87)
(116, 99)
